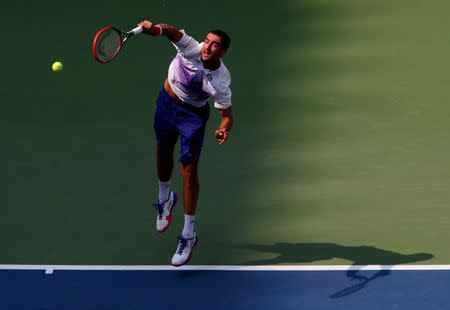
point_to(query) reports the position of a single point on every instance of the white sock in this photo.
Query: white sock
(188, 229)
(164, 191)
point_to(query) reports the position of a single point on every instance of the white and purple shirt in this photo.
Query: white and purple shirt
(193, 83)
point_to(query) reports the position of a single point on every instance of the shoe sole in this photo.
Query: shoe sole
(169, 217)
(190, 255)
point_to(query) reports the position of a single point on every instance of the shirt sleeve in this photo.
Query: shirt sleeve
(187, 46)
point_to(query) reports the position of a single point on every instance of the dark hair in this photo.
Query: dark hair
(224, 36)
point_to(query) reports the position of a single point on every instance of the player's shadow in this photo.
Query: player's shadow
(360, 256)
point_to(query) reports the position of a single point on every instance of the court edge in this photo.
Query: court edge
(51, 268)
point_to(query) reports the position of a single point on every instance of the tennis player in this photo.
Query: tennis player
(182, 110)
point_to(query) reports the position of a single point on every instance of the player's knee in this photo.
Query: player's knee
(189, 172)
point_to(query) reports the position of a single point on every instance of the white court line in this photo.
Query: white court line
(50, 268)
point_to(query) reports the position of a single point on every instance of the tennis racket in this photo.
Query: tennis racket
(108, 41)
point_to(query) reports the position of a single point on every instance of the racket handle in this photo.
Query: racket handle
(137, 30)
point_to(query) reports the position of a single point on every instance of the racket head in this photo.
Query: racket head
(106, 44)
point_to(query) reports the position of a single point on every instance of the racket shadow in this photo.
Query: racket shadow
(363, 281)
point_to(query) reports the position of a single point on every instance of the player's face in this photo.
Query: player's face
(212, 48)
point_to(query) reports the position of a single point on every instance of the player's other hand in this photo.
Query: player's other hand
(150, 28)
(221, 135)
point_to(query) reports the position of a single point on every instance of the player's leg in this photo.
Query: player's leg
(167, 199)
(164, 166)
(188, 238)
(191, 189)
(166, 136)
(192, 135)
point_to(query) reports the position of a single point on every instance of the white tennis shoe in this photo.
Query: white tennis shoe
(164, 210)
(184, 250)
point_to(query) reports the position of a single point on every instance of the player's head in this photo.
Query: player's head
(215, 45)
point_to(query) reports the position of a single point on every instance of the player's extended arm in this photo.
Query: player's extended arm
(225, 125)
(156, 30)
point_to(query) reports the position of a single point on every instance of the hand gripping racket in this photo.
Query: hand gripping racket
(108, 41)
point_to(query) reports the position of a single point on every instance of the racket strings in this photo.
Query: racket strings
(108, 44)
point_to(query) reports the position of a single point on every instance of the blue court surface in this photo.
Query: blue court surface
(224, 287)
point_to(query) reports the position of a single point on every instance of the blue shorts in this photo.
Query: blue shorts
(173, 119)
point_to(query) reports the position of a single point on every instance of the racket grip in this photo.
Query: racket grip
(137, 30)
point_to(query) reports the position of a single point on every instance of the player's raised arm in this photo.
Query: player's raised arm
(157, 30)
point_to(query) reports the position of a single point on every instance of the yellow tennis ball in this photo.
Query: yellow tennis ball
(57, 66)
